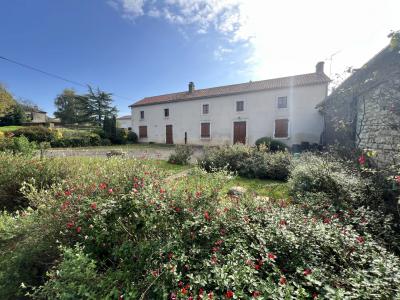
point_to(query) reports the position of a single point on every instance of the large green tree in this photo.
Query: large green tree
(70, 107)
(97, 105)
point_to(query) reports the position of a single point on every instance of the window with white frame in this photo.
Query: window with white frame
(282, 102)
(239, 106)
(205, 109)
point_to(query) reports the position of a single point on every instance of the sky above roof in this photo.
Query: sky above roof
(140, 48)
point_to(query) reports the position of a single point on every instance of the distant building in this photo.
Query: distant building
(281, 108)
(125, 122)
(34, 117)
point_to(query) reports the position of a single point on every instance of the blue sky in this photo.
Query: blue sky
(138, 48)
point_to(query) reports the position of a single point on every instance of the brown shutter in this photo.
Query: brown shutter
(205, 130)
(281, 128)
(142, 131)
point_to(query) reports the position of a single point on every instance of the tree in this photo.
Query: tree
(7, 102)
(97, 104)
(69, 107)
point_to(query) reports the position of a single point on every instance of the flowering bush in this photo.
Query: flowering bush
(120, 230)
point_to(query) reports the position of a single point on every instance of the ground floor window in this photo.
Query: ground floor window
(205, 130)
(281, 128)
(142, 132)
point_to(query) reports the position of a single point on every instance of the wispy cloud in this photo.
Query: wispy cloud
(281, 37)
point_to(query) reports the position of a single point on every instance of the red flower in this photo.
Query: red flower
(257, 267)
(210, 295)
(162, 191)
(326, 220)
(65, 205)
(180, 284)
(307, 272)
(70, 224)
(198, 194)
(184, 291)
(110, 191)
(282, 222)
(361, 159)
(207, 216)
(93, 205)
(271, 256)
(256, 294)
(78, 229)
(67, 193)
(397, 178)
(172, 296)
(360, 240)
(103, 185)
(229, 294)
(314, 295)
(282, 280)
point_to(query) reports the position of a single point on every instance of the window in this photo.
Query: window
(281, 128)
(239, 105)
(142, 114)
(205, 130)
(282, 102)
(206, 109)
(166, 112)
(142, 132)
(129, 128)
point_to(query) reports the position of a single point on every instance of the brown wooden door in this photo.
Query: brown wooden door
(239, 132)
(168, 134)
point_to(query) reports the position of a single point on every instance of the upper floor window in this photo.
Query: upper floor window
(239, 105)
(166, 112)
(282, 102)
(142, 114)
(206, 109)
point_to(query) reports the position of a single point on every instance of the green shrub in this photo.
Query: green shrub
(77, 138)
(120, 137)
(36, 134)
(132, 137)
(338, 180)
(181, 156)
(248, 162)
(105, 142)
(271, 144)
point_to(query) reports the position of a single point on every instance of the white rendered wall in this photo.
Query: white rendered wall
(260, 113)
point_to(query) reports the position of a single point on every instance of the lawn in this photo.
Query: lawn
(123, 147)
(9, 128)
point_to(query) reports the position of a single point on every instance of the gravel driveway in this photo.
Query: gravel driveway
(141, 152)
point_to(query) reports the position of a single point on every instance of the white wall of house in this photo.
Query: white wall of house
(260, 112)
(124, 123)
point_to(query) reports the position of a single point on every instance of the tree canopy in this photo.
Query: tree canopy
(7, 101)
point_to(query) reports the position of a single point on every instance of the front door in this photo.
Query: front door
(239, 132)
(168, 134)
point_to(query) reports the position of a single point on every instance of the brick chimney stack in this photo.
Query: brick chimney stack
(319, 68)
(191, 87)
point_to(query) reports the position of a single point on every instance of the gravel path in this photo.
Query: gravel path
(143, 153)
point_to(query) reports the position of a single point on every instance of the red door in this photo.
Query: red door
(168, 134)
(239, 132)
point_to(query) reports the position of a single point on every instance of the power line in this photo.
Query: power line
(52, 74)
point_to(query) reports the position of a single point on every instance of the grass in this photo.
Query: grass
(262, 187)
(9, 128)
(166, 166)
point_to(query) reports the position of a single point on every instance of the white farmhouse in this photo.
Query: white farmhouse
(125, 122)
(281, 108)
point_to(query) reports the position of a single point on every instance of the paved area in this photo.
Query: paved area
(138, 152)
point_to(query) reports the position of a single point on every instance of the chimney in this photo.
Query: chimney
(191, 87)
(319, 68)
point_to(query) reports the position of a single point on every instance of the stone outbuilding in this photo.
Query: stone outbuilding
(364, 111)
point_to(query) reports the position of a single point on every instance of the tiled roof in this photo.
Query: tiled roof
(252, 86)
(127, 117)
